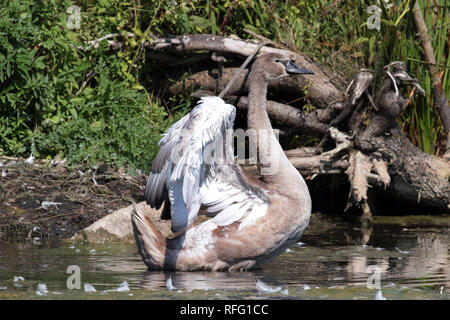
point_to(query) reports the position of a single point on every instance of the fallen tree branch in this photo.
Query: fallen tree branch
(290, 116)
(322, 88)
(206, 81)
(309, 166)
(95, 43)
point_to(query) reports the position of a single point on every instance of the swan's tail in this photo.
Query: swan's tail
(150, 241)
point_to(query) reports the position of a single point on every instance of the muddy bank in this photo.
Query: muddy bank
(52, 201)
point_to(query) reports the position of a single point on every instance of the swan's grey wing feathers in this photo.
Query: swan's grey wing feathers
(155, 190)
(232, 199)
(182, 170)
(179, 167)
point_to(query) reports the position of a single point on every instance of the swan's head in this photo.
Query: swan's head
(275, 66)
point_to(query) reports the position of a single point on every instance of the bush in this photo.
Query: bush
(44, 107)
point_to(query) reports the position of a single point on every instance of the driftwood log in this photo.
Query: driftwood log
(361, 141)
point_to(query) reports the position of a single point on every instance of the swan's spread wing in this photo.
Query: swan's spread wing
(182, 163)
(229, 196)
(185, 170)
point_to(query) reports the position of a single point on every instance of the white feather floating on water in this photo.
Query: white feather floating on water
(123, 287)
(41, 289)
(265, 288)
(16, 279)
(89, 287)
(379, 296)
(169, 284)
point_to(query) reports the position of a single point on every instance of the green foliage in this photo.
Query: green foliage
(43, 106)
(421, 120)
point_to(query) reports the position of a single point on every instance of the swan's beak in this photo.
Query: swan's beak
(292, 68)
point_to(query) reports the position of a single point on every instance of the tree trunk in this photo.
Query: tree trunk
(440, 100)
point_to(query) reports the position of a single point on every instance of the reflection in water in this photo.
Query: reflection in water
(431, 260)
(413, 261)
(199, 280)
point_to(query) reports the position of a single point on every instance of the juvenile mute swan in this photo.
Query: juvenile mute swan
(253, 220)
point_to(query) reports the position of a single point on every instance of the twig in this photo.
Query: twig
(393, 82)
(243, 66)
(95, 43)
(9, 158)
(440, 100)
(227, 15)
(89, 76)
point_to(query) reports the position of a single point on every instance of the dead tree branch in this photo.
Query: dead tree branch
(440, 100)
(323, 89)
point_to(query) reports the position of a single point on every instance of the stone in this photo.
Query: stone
(116, 227)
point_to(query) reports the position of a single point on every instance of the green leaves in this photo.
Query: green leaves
(47, 97)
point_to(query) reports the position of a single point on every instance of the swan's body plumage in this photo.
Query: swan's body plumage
(251, 221)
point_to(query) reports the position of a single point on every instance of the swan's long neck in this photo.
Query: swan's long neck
(275, 168)
(258, 119)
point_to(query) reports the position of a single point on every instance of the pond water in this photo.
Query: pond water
(410, 254)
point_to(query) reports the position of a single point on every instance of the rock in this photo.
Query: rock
(116, 227)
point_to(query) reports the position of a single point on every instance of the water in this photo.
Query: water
(411, 254)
